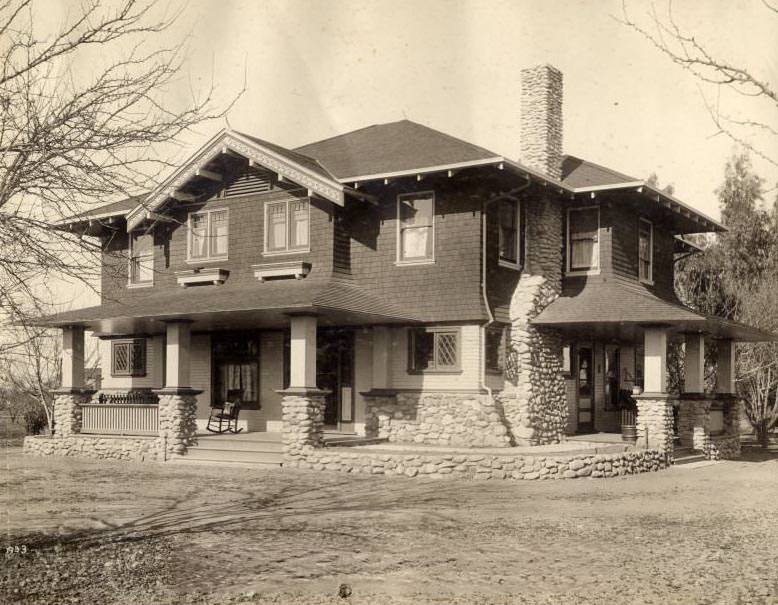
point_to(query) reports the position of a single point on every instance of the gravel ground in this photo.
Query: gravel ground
(122, 533)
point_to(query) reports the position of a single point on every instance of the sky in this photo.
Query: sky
(313, 69)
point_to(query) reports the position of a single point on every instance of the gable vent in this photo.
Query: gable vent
(249, 181)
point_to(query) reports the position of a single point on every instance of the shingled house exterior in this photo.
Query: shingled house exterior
(397, 283)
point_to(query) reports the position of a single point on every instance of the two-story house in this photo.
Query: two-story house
(400, 283)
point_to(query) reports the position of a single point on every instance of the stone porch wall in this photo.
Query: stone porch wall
(455, 419)
(139, 449)
(480, 466)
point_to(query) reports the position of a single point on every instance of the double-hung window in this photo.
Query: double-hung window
(583, 242)
(128, 357)
(208, 235)
(287, 226)
(433, 350)
(141, 259)
(509, 233)
(645, 250)
(416, 227)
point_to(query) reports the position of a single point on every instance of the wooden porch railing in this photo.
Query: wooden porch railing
(120, 419)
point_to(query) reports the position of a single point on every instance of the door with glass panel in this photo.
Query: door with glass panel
(235, 358)
(585, 387)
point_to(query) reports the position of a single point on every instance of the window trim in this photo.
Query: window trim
(399, 261)
(410, 336)
(300, 250)
(502, 262)
(568, 245)
(130, 261)
(650, 280)
(208, 258)
(131, 372)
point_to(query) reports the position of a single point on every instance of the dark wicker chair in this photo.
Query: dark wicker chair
(224, 418)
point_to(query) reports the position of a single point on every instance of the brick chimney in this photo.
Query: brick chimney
(541, 119)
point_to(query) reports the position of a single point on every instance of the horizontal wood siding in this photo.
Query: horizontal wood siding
(154, 370)
(467, 378)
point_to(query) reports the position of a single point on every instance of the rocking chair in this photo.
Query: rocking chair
(225, 417)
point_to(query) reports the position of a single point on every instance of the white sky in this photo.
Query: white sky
(318, 68)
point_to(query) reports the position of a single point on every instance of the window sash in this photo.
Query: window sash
(583, 238)
(209, 233)
(141, 258)
(645, 250)
(432, 350)
(287, 226)
(509, 231)
(416, 221)
(128, 357)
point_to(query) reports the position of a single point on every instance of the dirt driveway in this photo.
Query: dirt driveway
(144, 533)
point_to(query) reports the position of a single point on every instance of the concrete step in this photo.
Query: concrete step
(241, 445)
(208, 462)
(353, 441)
(257, 437)
(687, 455)
(230, 455)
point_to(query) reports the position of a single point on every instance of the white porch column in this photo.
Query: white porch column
(655, 364)
(302, 362)
(725, 367)
(177, 355)
(381, 356)
(73, 357)
(694, 380)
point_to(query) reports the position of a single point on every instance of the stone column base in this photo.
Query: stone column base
(655, 422)
(303, 422)
(177, 420)
(67, 410)
(694, 421)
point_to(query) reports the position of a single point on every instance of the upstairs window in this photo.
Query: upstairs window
(287, 226)
(208, 235)
(141, 259)
(509, 233)
(128, 357)
(415, 227)
(583, 242)
(433, 350)
(645, 251)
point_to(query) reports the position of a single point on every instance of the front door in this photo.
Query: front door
(334, 373)
(585, 387)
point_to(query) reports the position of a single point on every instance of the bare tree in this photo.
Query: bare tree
(661, 27)
(85, 118)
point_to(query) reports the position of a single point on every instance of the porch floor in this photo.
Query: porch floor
(597, 438)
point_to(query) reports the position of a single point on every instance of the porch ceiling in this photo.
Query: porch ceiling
(268, 305)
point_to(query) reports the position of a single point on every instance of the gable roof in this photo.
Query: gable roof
(301, 170)
(396, 147)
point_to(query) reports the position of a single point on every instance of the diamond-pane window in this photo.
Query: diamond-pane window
(433, 349)
(446, 346)
(128, 357)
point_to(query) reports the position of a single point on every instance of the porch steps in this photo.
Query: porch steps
(247, 449)
(686, 455)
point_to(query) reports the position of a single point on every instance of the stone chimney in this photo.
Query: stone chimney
(541, 119)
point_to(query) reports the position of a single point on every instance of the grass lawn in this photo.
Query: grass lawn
(110, 532)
